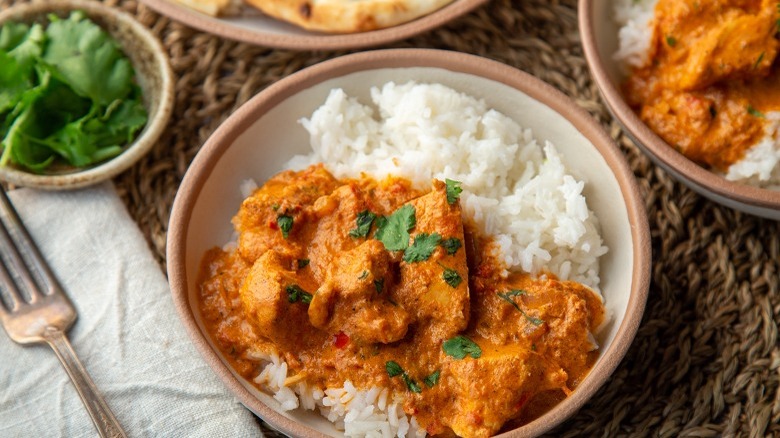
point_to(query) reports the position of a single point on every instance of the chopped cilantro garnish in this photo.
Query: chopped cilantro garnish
(453, 190)
(393, 231)
(433, 379)
(452, 277)
(411, 384)
(295, 293)
(422, 247)
(507, 296)
(302, 263)
(671, 41)
(754, 112)
(758, 61)
(393, 369)
(460, 346)
(364, 220)
(451, 245)
(379, 285)
(275, 207)
(285, 224)
(363, 276)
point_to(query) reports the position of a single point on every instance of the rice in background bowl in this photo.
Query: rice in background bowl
(263, 135)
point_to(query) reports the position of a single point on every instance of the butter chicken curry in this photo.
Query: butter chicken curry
(382, 285)
(711, 78)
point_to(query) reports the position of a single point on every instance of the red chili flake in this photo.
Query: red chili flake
(272, 225)
(340, 340)
(523, 400)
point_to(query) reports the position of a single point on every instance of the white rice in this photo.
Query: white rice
(358, 413)
(513, 188)
(635, 18)
(759, 167)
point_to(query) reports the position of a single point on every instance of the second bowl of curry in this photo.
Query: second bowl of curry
(694, 84)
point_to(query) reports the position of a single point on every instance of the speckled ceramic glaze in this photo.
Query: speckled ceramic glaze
(256, 141)
(153, 74)
(600, 41)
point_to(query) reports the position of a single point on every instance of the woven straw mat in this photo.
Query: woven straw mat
(705, 361)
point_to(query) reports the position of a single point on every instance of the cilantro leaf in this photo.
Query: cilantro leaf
(302, 263)
(393, 369)
(364, 220)
(453, 190)
(379, 285)
(88, 59)
(460, 346)
(285, 224)
(66, 93)
(452, 277)
(422, 247)
(393, 231)
(754, 112)
(433, 379)
(363, 276)
(295, 294)
(411, 384)
(507, 296)
(451, 245)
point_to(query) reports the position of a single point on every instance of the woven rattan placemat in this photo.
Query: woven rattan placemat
(706, 360)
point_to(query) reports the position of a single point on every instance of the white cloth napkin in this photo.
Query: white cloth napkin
(128, 334)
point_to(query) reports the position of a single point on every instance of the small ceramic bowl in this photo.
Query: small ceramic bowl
(257, 140)
(600, 41)
(153, 74)
(256, 28)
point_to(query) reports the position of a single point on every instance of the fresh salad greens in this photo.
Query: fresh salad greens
(67, 92)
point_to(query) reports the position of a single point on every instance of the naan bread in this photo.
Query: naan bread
(344, 16)
(214, 7)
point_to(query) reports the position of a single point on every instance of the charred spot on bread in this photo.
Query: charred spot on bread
(305, 10)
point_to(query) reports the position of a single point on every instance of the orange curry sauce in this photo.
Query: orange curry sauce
(711, 78)
(309, 283)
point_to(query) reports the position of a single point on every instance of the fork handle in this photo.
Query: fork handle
(104, 419)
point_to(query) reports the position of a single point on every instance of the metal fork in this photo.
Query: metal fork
(37, 310)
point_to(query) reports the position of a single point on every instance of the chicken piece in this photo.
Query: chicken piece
(494, 388)
(273, 299)
(336, 214)
(436, 290)
(717, 40)
(353, 299)
(288, 194)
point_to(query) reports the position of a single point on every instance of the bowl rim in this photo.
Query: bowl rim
(690, 173)
(313, 40)
(205, 161)
(147, 137)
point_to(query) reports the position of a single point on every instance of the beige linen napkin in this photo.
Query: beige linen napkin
(128, 334)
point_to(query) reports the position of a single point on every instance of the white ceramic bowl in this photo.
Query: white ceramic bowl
(266, 31)
(153, 74)
(600, 41)
(261, 136)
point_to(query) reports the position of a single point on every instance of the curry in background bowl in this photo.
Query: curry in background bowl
(694, 85)
(79, 117)
(272, 273)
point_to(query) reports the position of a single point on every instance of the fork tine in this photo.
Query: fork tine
(12, 293)
(23, 254)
